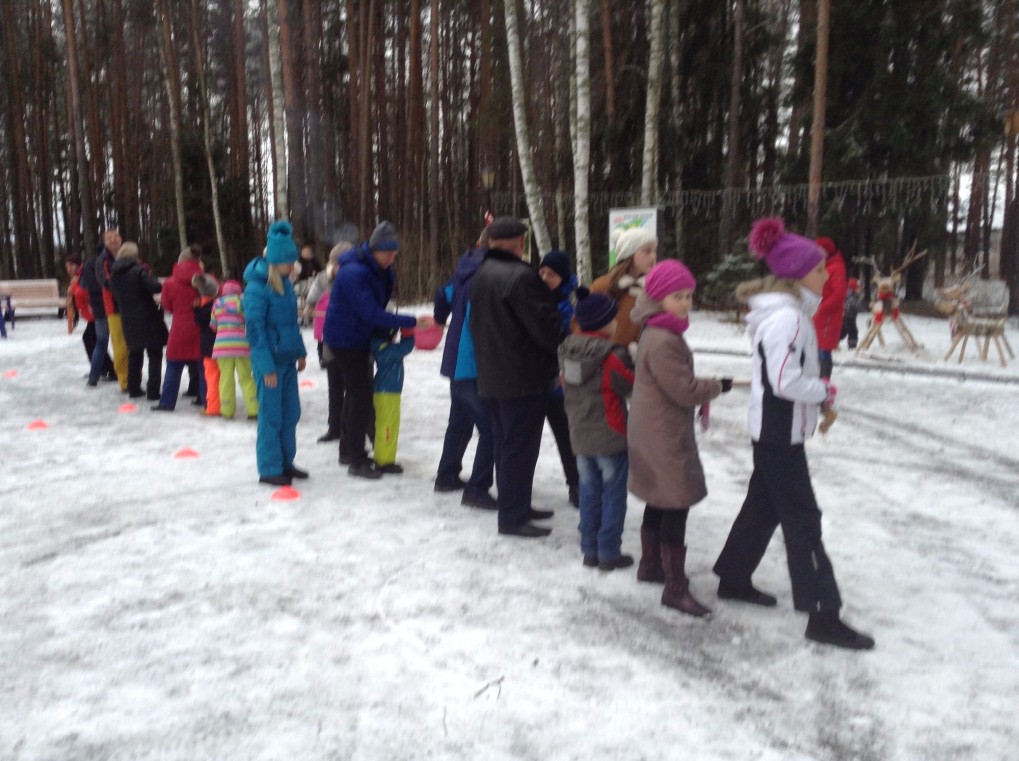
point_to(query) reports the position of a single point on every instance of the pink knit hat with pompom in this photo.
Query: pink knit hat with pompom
(787, 254)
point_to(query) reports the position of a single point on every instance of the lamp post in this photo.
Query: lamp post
(487, 181)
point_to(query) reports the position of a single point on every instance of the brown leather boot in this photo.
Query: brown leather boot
(650, 568)
(677, 586)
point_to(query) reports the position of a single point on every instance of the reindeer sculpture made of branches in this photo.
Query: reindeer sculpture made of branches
(969, 315)
(886, 301)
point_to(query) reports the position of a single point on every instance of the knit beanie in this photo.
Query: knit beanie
(630, 240)
(787, 255)
(594, 310)
(667, 277)
(384, 237)
(232, 288)
(128, 251)
(279, 246)
(557, 261)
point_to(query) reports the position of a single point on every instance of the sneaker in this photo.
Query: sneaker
(525, 530)
(444, 486)
(539, 515)
(746, 593)
(482, 500)
(365, 469)
(281, 480)
(328, 436)
(574, 496)
(623, 561)
(393, 468)
(295, 472)
(827, 628)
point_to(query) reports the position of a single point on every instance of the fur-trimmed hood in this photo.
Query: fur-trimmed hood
(769, 294)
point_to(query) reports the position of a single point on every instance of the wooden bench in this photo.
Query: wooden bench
(31, 294)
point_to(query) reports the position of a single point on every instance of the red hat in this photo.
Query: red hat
(828, 245)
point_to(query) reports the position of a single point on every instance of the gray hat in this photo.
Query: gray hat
(506, 228)
(384, 238)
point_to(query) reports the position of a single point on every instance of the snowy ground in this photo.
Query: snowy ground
(161, 608)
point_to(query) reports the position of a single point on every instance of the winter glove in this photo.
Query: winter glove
(829, 400)
(705, 416)
(726, 384)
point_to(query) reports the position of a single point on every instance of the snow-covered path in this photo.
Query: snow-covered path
(162, 608)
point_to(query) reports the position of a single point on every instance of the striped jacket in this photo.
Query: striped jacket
(228, 322)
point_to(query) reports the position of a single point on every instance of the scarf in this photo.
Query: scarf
(669, 322)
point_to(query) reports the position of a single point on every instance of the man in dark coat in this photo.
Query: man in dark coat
(516, 329)
(144, 330)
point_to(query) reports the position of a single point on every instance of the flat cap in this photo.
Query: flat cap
(506, 228)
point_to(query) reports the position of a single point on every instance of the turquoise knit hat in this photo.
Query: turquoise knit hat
(280, 247)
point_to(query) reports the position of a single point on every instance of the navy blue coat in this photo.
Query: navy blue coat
(357, 303)
(452, 302)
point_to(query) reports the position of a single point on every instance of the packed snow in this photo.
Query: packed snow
(155, 606)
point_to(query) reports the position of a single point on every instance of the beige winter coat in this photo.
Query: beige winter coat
(665, 469)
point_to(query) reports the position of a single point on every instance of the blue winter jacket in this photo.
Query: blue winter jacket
(453, 302)
(389, 363)
(357, 303)
(270, 321)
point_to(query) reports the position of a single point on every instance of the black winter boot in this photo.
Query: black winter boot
(677, 586)
(650, 568)
(745, 593)
(827, 628)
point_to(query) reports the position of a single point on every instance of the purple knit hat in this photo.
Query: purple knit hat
(787, 254)
(667, 277)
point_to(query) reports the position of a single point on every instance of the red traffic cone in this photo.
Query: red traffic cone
(127, 407)
(185, 454)
(10, 373)
(286, 494)
(38, 425)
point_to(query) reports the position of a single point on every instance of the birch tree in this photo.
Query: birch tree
(279, 148)
(531, 189)
(649, 177)
(582, 142)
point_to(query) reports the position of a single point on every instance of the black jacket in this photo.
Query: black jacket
(133, 287)
(516, 328)
(90, 282)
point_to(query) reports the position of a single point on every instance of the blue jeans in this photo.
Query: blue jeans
(602, 504)
(467, 411)
(100, 349)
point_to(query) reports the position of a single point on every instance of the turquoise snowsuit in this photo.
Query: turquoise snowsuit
(276, 344)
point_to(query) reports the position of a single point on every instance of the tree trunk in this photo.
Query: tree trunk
(531, 187)
(817, 128)
(296, 175)
(315, 155)
(203, 94)
(240, 152)
(77, 129)
(171, 75)
(729, 188)
(277, 111)
(649, 176)
(433, 145)
(582, 152)
(610, 67)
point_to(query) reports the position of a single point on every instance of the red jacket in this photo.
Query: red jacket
(178, 300)
(828, 318)
(80, 296)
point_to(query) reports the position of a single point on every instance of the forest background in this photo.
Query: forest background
(877, 123)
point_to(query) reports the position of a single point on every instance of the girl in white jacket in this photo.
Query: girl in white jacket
(786, 394)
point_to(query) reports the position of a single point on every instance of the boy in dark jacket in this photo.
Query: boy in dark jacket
(597, 378)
